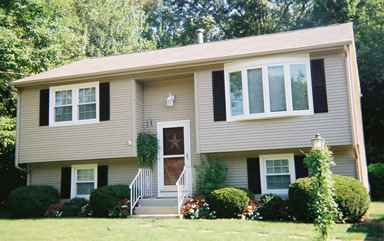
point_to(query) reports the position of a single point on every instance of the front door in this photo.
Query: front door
(174, 154)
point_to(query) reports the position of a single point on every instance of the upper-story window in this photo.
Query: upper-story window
(74, 104)
(263, 88)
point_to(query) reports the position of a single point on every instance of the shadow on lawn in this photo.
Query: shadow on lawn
(373, 228)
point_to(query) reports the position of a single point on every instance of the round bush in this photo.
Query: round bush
(269, 206)
(228, 202)
(105, 198)
(32, 201)
(350, 195)
(376, 179)
(73, 207)
(249, 193)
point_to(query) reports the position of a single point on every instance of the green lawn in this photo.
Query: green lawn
(173, 229)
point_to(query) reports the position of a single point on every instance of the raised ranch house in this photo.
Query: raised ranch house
(256, 101)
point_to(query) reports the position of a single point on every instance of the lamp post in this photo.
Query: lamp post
(318, 142)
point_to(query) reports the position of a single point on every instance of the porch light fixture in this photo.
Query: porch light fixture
(318, 142)
(170, 99)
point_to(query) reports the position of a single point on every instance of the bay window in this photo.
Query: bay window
(264, 88)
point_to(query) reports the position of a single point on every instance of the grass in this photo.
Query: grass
(173, 229)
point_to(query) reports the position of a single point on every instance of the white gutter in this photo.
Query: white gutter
(17, 133)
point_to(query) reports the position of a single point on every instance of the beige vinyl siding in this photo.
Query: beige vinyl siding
(139, 107)
(155, 107)
(277, 133)
(120, 171)
(237, 163)
(107, 139)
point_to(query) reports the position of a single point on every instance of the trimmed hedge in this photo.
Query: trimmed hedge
(376, 179)
(350, 195)
(72, 208)
(269, 207)
(228, 202)
(32, 201)
(105, 198)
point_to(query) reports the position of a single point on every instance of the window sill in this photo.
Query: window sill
(71, 123)
(269, 116)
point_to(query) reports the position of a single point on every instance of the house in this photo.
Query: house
(256, 101)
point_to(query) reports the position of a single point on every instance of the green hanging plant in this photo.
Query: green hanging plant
(147, 149)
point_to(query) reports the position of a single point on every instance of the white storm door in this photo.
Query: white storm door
(174, 154)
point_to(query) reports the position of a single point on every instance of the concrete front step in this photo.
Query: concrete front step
(156, 202)
(156, 206)
(156, 216)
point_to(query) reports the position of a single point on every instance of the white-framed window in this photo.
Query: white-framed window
(277, 172)
(84, 180)
(74, 104)
(265, 88)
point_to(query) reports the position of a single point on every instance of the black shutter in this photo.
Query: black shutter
(301, 170)
(65, 182)
(44, 107)
(319, 89)
(253, 168)
(104, 101)
(219, 113)
(102, 176)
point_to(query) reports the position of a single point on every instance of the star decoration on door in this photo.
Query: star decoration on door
(175, 142)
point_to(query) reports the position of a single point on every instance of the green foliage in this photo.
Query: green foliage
(228, 202)
(369, 36)
(197, 208)
(300, 193)
(249, 193)
(113, 27)
(323, 205)
(72, 208)
(350, 195)
(376, 179)
(105, 198)
(269, 207)
(32, 201)
(211, 176)
(10, 177)
(147, 149)
(121, 209)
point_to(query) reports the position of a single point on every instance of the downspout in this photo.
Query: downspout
(17, 133)
(353, 117)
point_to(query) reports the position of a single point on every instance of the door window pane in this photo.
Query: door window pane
(173, 167)
(236, 93)
(276, 88)
(299, 87)
(255, 91)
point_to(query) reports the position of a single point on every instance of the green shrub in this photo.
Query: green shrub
(105, 198)
(269, 206)
(228, 202)
(376, 179)
(249, 192)
(32, 201)
(72, 208)
(299, 197)
(351, 196)
(211, 176)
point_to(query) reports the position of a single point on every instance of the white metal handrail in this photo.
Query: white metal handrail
(141, 186)
(184, 187)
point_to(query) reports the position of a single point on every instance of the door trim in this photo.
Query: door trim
(171, 191)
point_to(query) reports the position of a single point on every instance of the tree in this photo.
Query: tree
(369, 30)
(113, 27)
